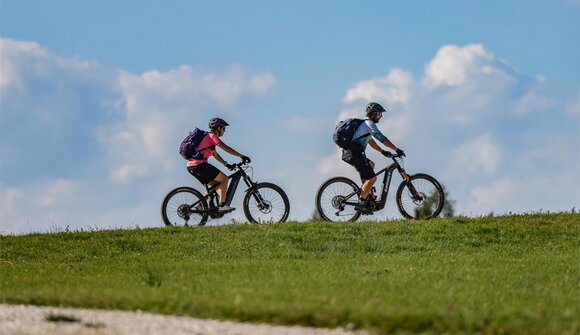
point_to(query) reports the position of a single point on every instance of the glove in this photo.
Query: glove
(400, 153)
(245, 159)
(387, 154)
(230, 167)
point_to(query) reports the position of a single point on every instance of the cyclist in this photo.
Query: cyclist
(207, 173)
(356, 156)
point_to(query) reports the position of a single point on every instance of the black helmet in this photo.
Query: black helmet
(373, 107)
(217, 122)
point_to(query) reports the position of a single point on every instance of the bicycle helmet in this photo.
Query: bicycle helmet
(373, 107)
(217, 122)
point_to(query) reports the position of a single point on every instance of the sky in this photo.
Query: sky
(95, 98)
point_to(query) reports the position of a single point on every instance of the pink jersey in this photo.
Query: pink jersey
(210, 139)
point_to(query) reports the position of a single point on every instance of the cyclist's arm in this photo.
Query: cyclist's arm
(390, 144)
(219, 158)
(374, 145)
(380, 137)
(229, 150)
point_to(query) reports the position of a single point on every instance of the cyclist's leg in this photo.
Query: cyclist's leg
(222, 180)
(365, 168)
(206, 174)
(368, 187)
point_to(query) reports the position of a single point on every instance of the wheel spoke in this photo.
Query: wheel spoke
(332, 198)
(266, 204)
(420, 198)
(176, 208)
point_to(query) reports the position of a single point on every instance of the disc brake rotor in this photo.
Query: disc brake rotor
(266, 207)
(418, 198)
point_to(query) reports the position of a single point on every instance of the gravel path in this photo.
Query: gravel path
(34, 320)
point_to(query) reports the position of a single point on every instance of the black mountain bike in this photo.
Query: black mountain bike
(263, 202)
(419, 196)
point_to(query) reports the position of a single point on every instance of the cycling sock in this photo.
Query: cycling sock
(222, 204)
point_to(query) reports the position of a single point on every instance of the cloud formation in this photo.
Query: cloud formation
(85, 144)
(468, 121)
(158, 105)
(74, 131)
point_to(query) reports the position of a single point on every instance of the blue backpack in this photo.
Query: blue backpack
(188, 147)
(344, 132)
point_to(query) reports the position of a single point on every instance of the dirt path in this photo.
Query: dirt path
(34, 320)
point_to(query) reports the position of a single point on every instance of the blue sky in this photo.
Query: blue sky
(96, 96)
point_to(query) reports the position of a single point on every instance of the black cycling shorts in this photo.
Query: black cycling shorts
(360, 162)
(204, 172)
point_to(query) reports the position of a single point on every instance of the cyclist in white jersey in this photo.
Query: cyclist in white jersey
(356, 156)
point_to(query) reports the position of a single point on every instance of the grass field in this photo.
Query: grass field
(492, 275)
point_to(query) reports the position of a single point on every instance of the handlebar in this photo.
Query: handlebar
(392, 155)
(238, 165)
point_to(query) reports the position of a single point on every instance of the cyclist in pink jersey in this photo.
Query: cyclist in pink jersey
(207, 173)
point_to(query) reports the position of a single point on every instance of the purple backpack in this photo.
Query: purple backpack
(188, 147)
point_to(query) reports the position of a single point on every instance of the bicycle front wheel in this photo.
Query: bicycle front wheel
(266, 202)
(421, 197)
(184, 206)
(336, 198)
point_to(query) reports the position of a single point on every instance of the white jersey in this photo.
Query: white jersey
(364, 132)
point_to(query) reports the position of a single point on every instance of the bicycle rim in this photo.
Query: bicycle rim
(420, 198)
(266, 203)
(176, 208)
(332, 198)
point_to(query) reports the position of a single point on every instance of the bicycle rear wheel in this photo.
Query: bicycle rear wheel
(266, 202)
(421, 197)
(336, 198)
(184, 206)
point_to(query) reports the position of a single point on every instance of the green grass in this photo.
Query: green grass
(491, 275)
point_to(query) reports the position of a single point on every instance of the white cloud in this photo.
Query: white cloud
(395, 87)
(492, 197)
(481, 154)
(454, 65)
(56, 192)
(532, 101)
(9, 202)
(116, 135)
(13, 53)
(332, 164)
(31, 207)
(159, 105)
(468, 119)
(573, 108)
(103, 130)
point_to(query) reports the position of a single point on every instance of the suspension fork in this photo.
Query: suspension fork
(256, 195)
(407, 179)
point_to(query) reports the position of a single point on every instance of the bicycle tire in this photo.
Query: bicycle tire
(430, 202)
(326, 204)
(175, 207)
(262, 202)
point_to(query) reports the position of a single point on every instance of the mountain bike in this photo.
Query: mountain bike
(419, 196)
(263, 202)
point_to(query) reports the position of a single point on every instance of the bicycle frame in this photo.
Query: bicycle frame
(232, 188)
(388, 171)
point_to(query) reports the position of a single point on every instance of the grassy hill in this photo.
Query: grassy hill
(494, 275)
